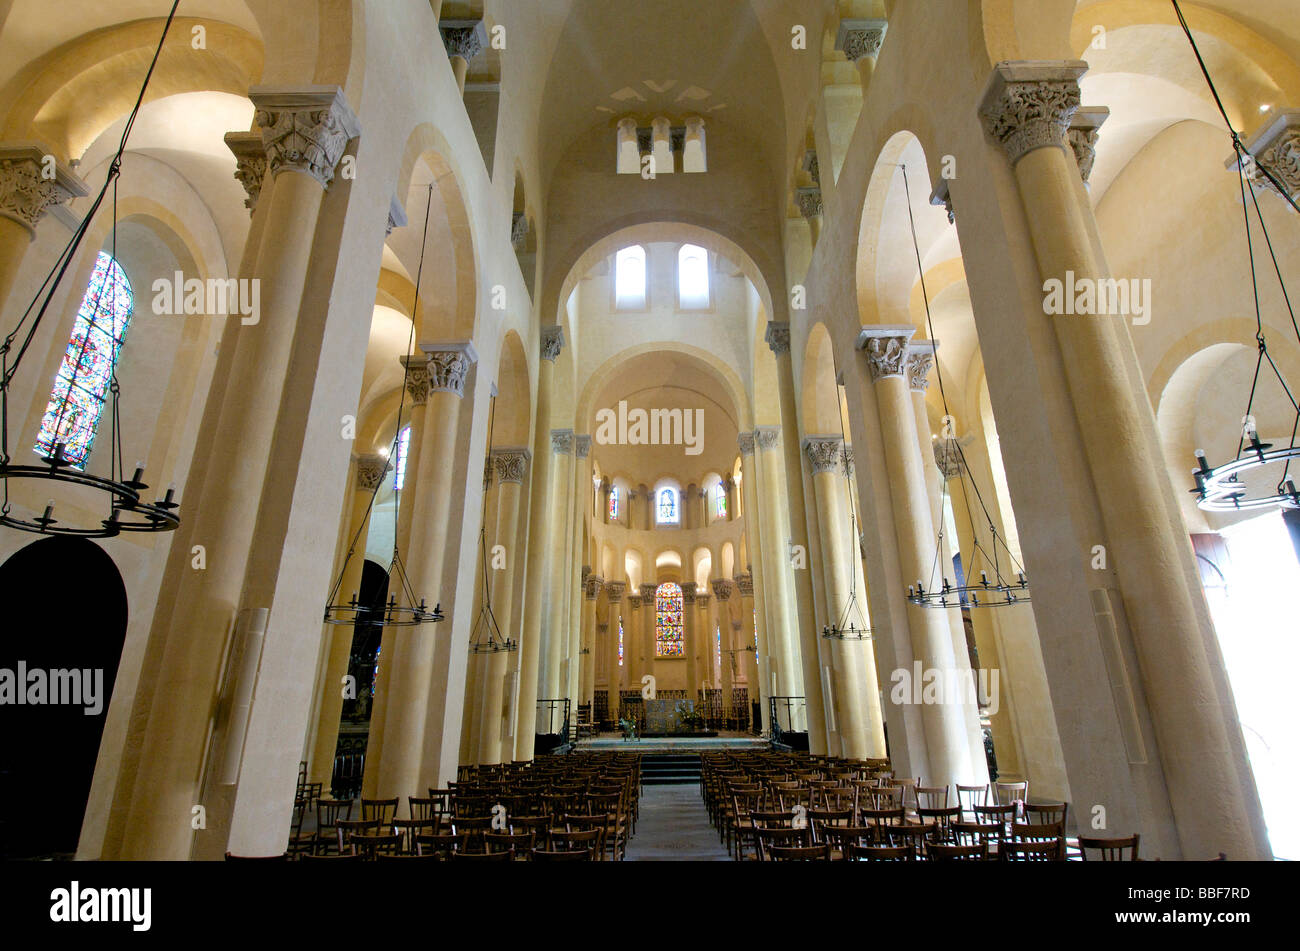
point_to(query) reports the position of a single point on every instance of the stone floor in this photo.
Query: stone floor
(674, 827)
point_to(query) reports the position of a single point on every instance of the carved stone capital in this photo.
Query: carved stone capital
(746, 443)
(745, 584)
(511, 464)
(824, 452)
(886, 350)
(304, 129)
(634, 601)
(1029, 105)
(808, 201)
(702, 598)
(947, 459)
(1083, 136)
(920, 361)
(591, 586)
(463, 38)
(1276, 147)
(552, 342)
(602, 627)
(735, 625)
(519, 231)
(371, 470)
(582, 446)
(722, 588)
(615, 589)
(688, 591)
(31, 182)
(396, 215)
(562, 441)
(648, 593)
(778, 337)
(812, 166)
(766, 437)
(250, 164)
(858, 38)
(417, 379)
(449, 365)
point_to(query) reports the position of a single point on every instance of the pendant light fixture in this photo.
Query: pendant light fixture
(1240, 485)
(1008, 584)
(408, 611)
(127, 507)
(846, 628)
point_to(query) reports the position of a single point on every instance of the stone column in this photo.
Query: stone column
(704, 644)
(417, 395)
(31, 182)
(591, 591)
(573, 590)
(946, 724)
(863, 652)
(369, 473)
(722, 588)
(305, 132)
(556, 638)
(751, 629)
(511, 466)
(633, 640)
(545, 486)
(778, 338)
(1027, 110)
(647, 639)
(605, 489)
(614, 596)
(420, 698)
(690, 634)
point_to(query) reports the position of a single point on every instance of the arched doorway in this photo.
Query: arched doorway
(66, 614)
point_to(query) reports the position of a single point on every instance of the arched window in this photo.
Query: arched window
(629, 278)
(668, 621)
(613, 503)
(692, 277)
(82, 383)
(719, 501)
(399, 464)
(668, 506)
(620, 642)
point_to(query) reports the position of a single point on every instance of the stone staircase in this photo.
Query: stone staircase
(670, 769)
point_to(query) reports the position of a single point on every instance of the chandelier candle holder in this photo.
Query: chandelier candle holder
(1008, 585)
(409, 611)
(128, 509)
(1242, 483)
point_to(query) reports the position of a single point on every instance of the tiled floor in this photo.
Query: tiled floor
(674, 827)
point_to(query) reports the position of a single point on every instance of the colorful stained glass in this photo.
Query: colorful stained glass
(667, 506)
(620, 642)
(399, 464)
(613, 503)
(719, 501)
(669, 641)
(82, 382)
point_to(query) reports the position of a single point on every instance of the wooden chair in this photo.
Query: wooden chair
(408, 829)
(1122, 849)
(1003, 815)
(1036, 832)
(879, 853)
(439, 846)
(282, 857)
(588, 840)
(473, 828)
(942, 819)
(968, 797)
(1042, 812)
(819, 820)
(912, 835)
(931, 797)
(766, 839)
(883, 822)
(424, 809)
(368, 845)
(1010, 793)
(505, 856)
(937, 852)
(347, 828)
(385, 810)
(345, 857)
(329, 812)
(800, 853)
(577, 855)
(841, 837)
(986, 834)
(518, 844)
(1032, 851)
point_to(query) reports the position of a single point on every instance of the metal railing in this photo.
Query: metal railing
(787, 717)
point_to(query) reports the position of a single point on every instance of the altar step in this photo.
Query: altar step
(670, 769)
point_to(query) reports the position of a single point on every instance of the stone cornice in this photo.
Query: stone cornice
(1029, 105)
(304, 129)
(885, 348)
(27, 191)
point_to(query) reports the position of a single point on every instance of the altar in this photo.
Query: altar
(671, 717)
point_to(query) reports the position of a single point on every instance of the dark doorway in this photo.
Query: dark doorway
(64, 611)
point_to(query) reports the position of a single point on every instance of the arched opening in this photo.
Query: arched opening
(57, 671)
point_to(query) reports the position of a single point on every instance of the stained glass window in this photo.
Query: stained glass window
(717, 643)
(719, 501)
(613, 503)
(620, 642)
(667, 506)
(669, 641)
(82, 382)
(399, 464)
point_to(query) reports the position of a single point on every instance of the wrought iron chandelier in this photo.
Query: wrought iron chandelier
(128, 507)
(408, 612)
(1001, 590)
(846, 629)
(1239, 484)
(486, 636)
